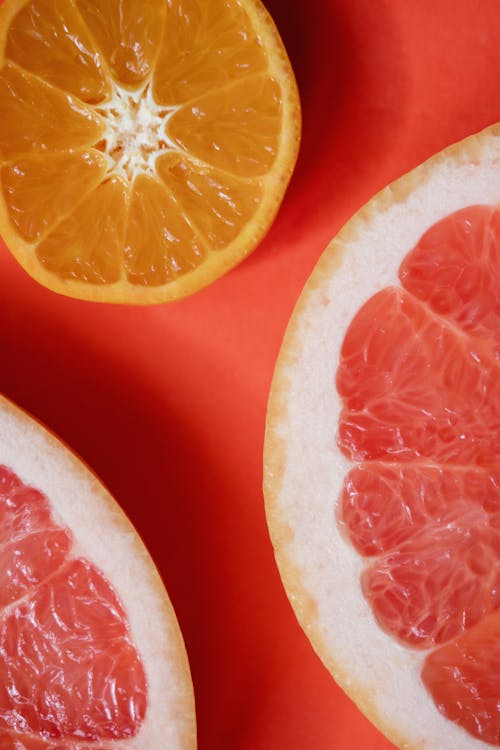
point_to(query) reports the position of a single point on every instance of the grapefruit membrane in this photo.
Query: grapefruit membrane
(91, 654)
(382, 477)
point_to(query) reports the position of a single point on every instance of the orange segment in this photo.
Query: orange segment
(39, 191)
(50, 39)
(128, 32)
(219, 204)
(88, 244)
(160, 243)
(36, 117)
(210, 45)
(237, 129)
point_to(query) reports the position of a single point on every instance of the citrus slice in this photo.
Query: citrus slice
(382, 469)
(91, 654)
(144, 148)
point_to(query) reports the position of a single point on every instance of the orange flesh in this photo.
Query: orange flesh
(39, 42)
(210, 45)
(69, 671)
(206, 71)
(420, 386)
(127, 34)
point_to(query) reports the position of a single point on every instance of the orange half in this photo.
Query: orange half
(144, 148)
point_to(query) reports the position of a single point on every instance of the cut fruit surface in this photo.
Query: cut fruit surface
(90, 651)
(382, 474)
(195, 100)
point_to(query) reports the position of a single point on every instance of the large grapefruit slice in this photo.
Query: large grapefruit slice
(91, 654)
(382, 474)
(145, 147)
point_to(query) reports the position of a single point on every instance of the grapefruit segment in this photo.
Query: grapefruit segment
(415, 496)
(455, 270)
(435, 535)
(412, 388)
(26, 742)
(31, 545)
(416, 384)
(50, 39)
(67, 664)
(464, 680)
(25, 562)
(437, 584)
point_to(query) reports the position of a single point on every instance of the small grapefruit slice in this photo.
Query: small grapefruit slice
(145, 148)
(91, 654)
(382, 469)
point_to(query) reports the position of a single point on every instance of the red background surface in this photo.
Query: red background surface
(168, 403)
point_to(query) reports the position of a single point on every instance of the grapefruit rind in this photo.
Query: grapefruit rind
(304, 469)
(103, 534)
(217, 262)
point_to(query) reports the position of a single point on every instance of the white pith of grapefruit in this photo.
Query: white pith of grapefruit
(304, 468)
(105, 537)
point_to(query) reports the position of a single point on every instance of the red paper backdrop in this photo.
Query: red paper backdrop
(168, 403)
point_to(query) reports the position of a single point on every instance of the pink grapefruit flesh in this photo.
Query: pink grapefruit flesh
(68, 667)
(91, 656)
(420, 387)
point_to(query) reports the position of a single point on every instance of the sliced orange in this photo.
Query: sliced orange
(91, 655)
(382, 454)
(145, 148)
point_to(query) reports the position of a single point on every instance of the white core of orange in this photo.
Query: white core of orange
(136, 131)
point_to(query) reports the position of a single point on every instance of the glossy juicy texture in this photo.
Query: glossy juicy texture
(69, 671)
(75, 68)
(415, 388)
(435, 534)
(465, 674)
(419, 379)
